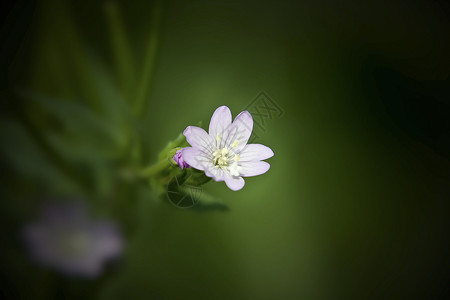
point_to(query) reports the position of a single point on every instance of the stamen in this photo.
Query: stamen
(235, 144)
(221, 157)
(223, 161)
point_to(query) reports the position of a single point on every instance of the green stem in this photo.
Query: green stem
(71, 43)
(149, 61)
(121, 48)
(155, 169)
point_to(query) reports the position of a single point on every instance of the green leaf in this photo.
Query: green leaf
(179, 142)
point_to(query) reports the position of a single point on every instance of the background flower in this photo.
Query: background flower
(67, 239)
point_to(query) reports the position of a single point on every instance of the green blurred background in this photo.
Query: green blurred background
(355, 205)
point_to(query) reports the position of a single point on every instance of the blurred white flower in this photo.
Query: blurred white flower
(66, 239)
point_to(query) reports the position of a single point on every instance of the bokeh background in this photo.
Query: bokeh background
(355, 205)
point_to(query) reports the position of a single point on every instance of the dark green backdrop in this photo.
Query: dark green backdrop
(355, 205)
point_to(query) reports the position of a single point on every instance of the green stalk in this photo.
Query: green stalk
(143, 88)
(155, 169)
(70, 41)
(121, 48)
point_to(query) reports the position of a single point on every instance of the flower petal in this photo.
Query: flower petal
(235, 183)
(253, 168)
(199, 138)
(240, 131)
(196, 158)
(255, 152)
(216, 173)
(220, 122)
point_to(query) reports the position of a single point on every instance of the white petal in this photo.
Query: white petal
(220, 122)
(234, 169)
(199, 138)
(216, 173)
(235, 183)
(240, 131)
(255, 152)
(196, 158)
(253, 168)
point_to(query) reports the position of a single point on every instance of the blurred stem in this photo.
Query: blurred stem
(142, 93)
(68, 38)
(155, 169)
(121, 48)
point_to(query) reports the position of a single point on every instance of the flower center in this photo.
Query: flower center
(221, 157)
(74, 243)
(226, 160)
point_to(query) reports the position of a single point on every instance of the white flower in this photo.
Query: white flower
(224, 153)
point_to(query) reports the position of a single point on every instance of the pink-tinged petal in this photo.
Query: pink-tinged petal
(197, 137)
(240, 131)
(255, 152)
(196, 158)
(253, 168)
(235, 183)
(220, 122)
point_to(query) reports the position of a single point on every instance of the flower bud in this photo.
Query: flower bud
(178, 158)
